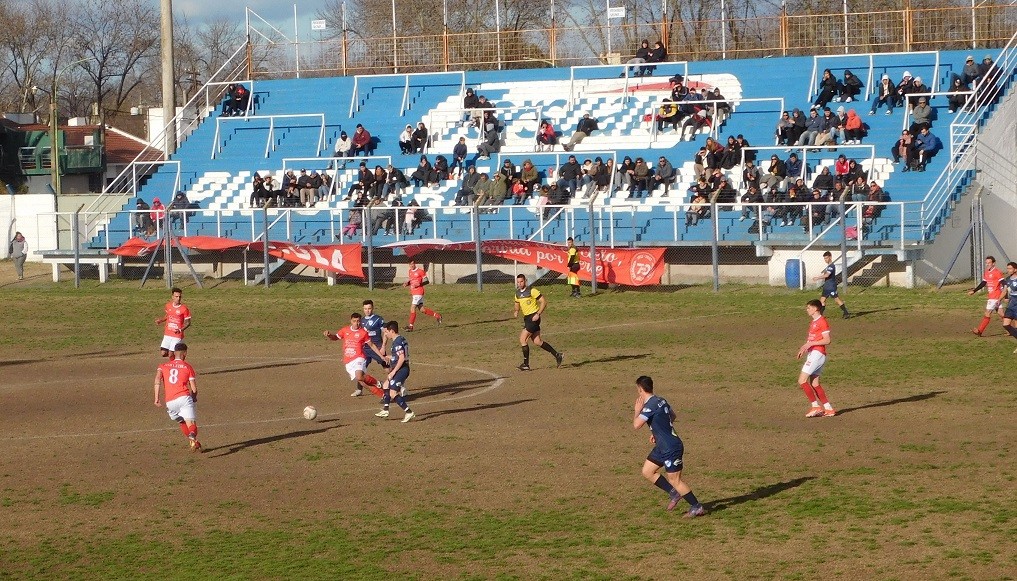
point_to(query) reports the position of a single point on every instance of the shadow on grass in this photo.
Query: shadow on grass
(13, 362)
(450, 388)
(857, 314)
(103, 353)
(611, 359)
(879, 404)
(757, 494)
(476, 408)
(458, 325)
(228, 449)
(257, 367)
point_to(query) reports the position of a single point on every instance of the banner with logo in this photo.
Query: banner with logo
(135, 247)
(625, 266)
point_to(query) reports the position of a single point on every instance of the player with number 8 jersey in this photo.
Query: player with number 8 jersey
(177, 379)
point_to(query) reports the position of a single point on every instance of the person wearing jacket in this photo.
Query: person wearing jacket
(663, 175)
(813, 127)
(850, 87)
(921, 116)
(828, 89)
(586, 126)
(853, 128)
(885, 94)
(927, 146)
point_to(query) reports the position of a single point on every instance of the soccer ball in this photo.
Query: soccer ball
(310, 413)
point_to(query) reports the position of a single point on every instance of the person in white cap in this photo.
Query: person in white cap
(884, 95)
(902, 88)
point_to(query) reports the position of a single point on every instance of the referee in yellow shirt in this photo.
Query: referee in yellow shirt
(573, 266)
(532, 303)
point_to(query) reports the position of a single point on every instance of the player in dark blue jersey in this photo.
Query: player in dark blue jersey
(668, 448)
(829, 278)
(1010, 315)
(373, 324)
(398, 372)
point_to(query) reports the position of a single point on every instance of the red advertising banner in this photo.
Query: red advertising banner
(338, 258)
(626, 266)
(135, 247)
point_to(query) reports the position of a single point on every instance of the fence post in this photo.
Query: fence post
(369, 234)
(167, 234)
(264, 239)
(77, 249)
(478, 256)
(715, 244)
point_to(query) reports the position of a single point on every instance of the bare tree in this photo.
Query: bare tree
(31, 48)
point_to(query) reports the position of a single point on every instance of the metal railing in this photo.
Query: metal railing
(270, 144)
(405, 104)
(871, 56)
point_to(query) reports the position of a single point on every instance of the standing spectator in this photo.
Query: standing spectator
(410, 218)
(420, 138)
(362, 141)
(850, 87)
(459, 153)
(143, 220)
(885, 94)
(406, 141)
(586, 126)
(18, 251)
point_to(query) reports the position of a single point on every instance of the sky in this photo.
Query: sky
(278, 13)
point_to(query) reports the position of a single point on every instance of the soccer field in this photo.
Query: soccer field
(505, 474)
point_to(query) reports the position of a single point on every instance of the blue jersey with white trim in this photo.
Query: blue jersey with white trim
(1010, 284)
(657, 414)
(830, 283)
(399, 345)
(373, 324)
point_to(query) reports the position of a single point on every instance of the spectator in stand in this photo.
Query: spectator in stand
(467, 190)
(775, 174)
(817, 211)
(470, 103)
(394, 183)
(482, 190)
(855, 170)
(546, 137)
(732, 155)
(725, 193)
(902, 89)
(421, 176)
(714, 154)
(178, 203)
(626, 169)
(517, 189)
(744, 145)
(829, 125)
(143, 220)
(318, 183)
(799, 120)
(362, 185)
(227, 101)
(378, 185)
(569, 174)
(750, 175)
(640, 179)
(824, 180)
(839, 190)
(793, 213)
(355, 222)
(420, 138)
(497, 190)
(840, 132)
(751, 196)
(663, 175)
(492, 138)
(793, 167)
(842, 169)
(915, 92)
(508, 169)
(885, 94)
(543, 201)
(784, 129)
(699, 209)
(958, 94)
(859, 190)
(850, 87)
(721, 107)
(642, 54)
(658, 54)
(700, 162)
(921, 116)
(813, 127)
(480, 114)
(362, 141)
(986, 90)
(904, 148)
(343, 148)
(970, 73)
(586, 126)
(853, 128)
(440, 171)
(271, 191)
(410, 222)
(258, 194)
(668, 114)
(306, 191)
(529, 176)
(406, 141)
(241, 98)
(459, 153)
(828, 89)
(158, 213)
(927, 146)
(604, 176)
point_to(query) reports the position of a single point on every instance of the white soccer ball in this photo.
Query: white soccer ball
(310, 413)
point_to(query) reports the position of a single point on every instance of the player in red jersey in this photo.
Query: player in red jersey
(176, 377)
(354, 339)
(814, 350)
(177, 319)
(992, 281)
(417, 280)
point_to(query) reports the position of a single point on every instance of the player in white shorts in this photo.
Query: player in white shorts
(814, 351)
(358, 365)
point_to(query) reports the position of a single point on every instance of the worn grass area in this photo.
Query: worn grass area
(533, 476)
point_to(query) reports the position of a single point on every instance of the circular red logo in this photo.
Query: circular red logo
(641, 267)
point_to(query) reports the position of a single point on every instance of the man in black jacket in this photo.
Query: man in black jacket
(586, 126)
(569, 174)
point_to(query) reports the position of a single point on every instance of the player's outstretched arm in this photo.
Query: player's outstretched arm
(331, 336)
(158, 384)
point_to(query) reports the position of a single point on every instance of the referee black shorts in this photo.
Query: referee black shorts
(533, 327)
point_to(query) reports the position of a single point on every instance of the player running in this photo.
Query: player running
(573, 266)
(355, 338)
(374, 324)
(177, 319)
(1010, 315)
(992, 280)
(815, 348)
(532, 303)
(667, 450)
(398, 373)
(829, 278)
(417, 281)
(177, 378)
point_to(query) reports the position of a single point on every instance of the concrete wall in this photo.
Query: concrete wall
(21, 214)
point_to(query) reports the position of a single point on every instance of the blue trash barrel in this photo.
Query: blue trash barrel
(794, 273)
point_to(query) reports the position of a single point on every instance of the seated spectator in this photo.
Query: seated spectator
(324, 183)
(382, 217)
(828, 89)
(421, 176)
(750, 175)
(775, 175)
(841, 169)
(904, 148)
(696, 122)
(793, 211)
(395, 182)
(714, 154)
(354, 223)
(817, 211)
(227, 101)
(744, 145)
(479, 114)
(732, 154)
(829, 126)
(855, 171)
(143, 220)
(725, 193)
(467, 191)
(603, 179)
(307, 191)
(569, 175)
(517, 190)
(859, 191)
(814, 125)
(362, 141)
(784, 128)
(658, 54)
(543, 201)
(420, 138)
(241, 99)
(884, 94)
(378, 185)
(721, 108)
(626, 169)
(586, 126)
(440, 171)
(853, 128)
(669, 114)
(640, 179)
(178, 203)
(559, 196)
(927, 146)
(839, 190)
(481, 189)
(914, 92)
(343, 148)
(471, 103)
(970, 73)
(459, 153)
(316, 182)
(546, 136)
(258, 195)
(958, 94)
(492, 139)
(498, 190)
(794, 168)
(529, 176)
(642, 54)
(271, 192)
(750, 197)
(850, 87)
(921, 116)
(362, 184)
(903, 88)
(406, 140)
(698, 210)
(663, 175)
(508, 169)
(700, 163)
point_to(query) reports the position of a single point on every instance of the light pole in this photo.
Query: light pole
(54, 133)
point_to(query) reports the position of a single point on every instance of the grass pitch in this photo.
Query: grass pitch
(505, 474)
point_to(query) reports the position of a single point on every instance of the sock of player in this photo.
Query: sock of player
(369, 380)
(821, 394)
(526, 354)
(183, 428)
(810, 393)
(691, 499)
(1011, 330)
(985, 323)
(843, 308)
(401, 402)
(413, 317)
(192, 432)
(663, 484)
(547, 347)
(429, 312)
(385, 400)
